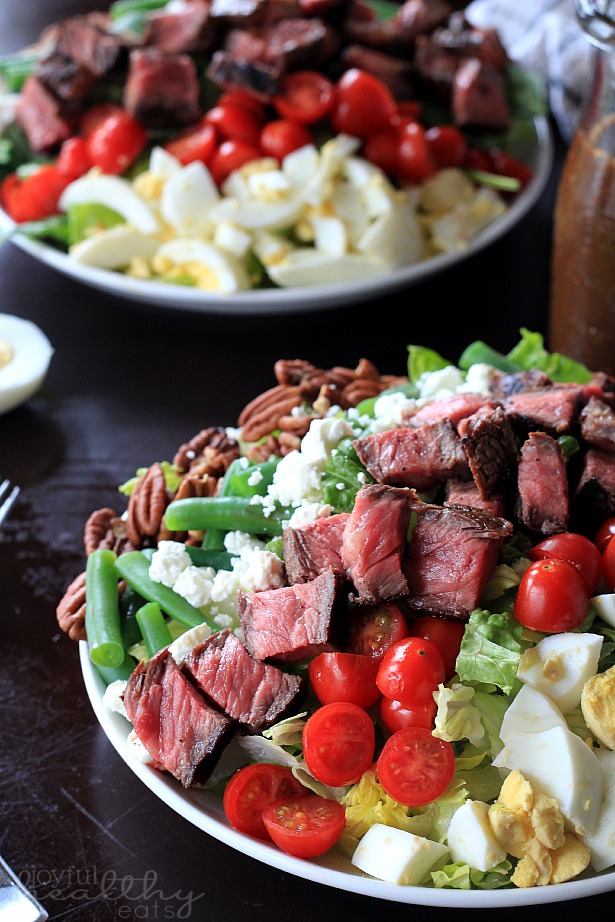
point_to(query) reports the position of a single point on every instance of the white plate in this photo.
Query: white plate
(204, 810)
(286, 300)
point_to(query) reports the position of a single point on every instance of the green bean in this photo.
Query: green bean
(214, 537)
(203, 557)
(134, 568)
(229, 513)
(121, 7)
(154, 628)
(261, 475)
(119, 673)
(102, 609)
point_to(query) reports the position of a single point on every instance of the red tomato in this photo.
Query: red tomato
(36, 196)
(305, 96)
(396, 717)
(244, 100)
(197, 143)
(364, 104)
(608, 564)
(230, 156)
(374, 628)
(447, 146)
(338, 743)
(234, 123)
(414, 767)
(95, 115)
(478, 159)
(409, 108)
(604, 534)
(115, 143)
(575, 549)
(307, 826)
(282, 137)
(414, 160)
(445, 633)
(551, 597)
(410, 671)
(253, 788)
(504, 165)
(344, 677)
(73, 159)
(381, 148)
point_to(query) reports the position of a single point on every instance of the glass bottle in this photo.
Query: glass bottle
(582, 309)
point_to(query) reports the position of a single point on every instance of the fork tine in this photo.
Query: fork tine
(7, 500)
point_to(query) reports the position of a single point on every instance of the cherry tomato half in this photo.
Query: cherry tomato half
(230, 156)
(445, 633)
(197, 143)
(245, 100)
(338, 743)
(281, 137)
(374, 628)
(73, 159)
(605, 533)
(414, 161)
(414, 767)
(344, 677)
(397, 717)
(34, 197)
(253, 788)
(447, 146)
(305, 827)
(234, 122)
(608, 564)
(410, 671)
(364, 104)
(551, 597)
(96, 114)
(116, 142)
(306, 96)
(574, 549)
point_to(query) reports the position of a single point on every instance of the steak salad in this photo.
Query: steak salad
(378, 616)
(230, 146)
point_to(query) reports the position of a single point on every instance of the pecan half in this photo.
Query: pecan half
(189, 487)
(261, 416)
(70, 611)
(104, 528)
(214, 438)
(147, 505)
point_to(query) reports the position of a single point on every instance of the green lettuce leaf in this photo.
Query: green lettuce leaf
(490, 649)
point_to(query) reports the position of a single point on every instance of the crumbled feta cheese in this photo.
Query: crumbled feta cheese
(194, 584)
(168, 561)
(295, 479)
(112, 698)
(255, 478)
(434, 385)
(322, 437)
(479, 379)
(309, 512)
(181, 647)
(391, 409)
(264, 571)
(137, 748)
(239, 543)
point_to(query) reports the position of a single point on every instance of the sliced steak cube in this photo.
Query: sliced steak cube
(554, 410)
(421, 457)
(256, 694)
(259, 78)
(294, 44)
(64, 77)
(179, 729)
(450, 558)
(294, 622)
(45, 119)
(479, 96)
(542, 484)
(598, 424)
(454, 408)
(162, 89)
(505, 384)
(314, 548)
(468, 41)
(466, 493)
(86, 40)
(186, 29)
(374, 542)
(593, 498)
(489, 444)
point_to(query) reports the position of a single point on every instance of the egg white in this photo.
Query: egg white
(30, 353)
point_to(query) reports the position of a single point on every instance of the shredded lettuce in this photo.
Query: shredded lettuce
(490, 649)
(461, 876)
(457, 718)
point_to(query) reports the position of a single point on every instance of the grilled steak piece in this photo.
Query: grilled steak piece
(86, 40)
(542, 482)
(554, 410)
(454, 408)
(466, 493)
(162, 89)
(490, 447)
(467, 41)
(421, 457)
(189, 28)
(64, 77)
(45, 119)
(179, 729)
(394, 72)
(451, 556)
(256, 694)
(505, 384)
(593, 499)
(294, 622)
(374, 541)
(598, 424)
(479, 96)
(314, 548)
(256, 77)
(421, 17)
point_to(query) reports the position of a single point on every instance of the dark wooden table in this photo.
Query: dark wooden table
(127, 385)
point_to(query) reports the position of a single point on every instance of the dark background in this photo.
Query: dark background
(127, 385)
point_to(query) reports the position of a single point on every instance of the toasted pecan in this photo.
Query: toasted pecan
(70, 611)
(146, 506)
(104, 528)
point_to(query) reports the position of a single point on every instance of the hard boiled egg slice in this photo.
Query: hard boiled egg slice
(211, 269)
(187, 198)
(395, 237)
(601, 842)
(605, 604)
(397, 856)
(471, 839)
(301, 268)
(255, 214)
(115, 248)
(25, 354)
(560, 665)
(114, 192)
(530, 712)
(559, 764)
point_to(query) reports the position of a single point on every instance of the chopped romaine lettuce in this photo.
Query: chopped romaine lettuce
(462, 877)
(490, 649)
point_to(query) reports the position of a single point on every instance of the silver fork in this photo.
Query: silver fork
(8, 494)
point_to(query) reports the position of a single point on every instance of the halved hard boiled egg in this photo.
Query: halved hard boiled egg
(25, 354)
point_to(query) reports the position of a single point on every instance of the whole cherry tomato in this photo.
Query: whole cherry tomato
(344, 677)
(396, 717)
(445, 633)
(305, 96)
(574, 549)
(363, 104)
(281, 137)
(116, 142)
(551, 597)
(410, 671)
